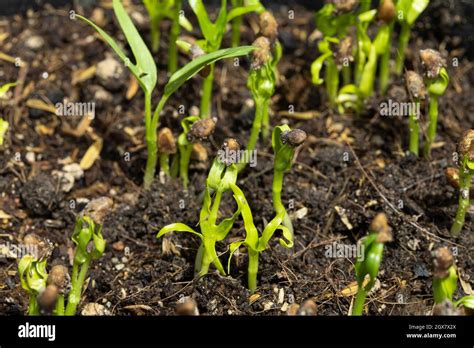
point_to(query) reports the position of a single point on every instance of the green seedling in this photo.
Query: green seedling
(466, 171)
(333, 20)
(167, 146)
(32, 269)
(445, 280)
(171, 9)
(284, 143)
(417, 91)
(366, 57)
(48, 291)
(256, 244)
(194, 129)
(3, 130)
(383, 40)
(90, 245)
(368, 264)
(222, 175)
(261, 82)
(407, 13)
(436, 81)
(144, 69)
(213, 33)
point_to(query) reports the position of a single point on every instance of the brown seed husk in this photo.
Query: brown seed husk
(268, 26)
(380, 225)
(443, 260)
(344, 51)
(59, 277)
(47, 299)
(188, 307)
(202, 129)
(294, 137)
(432, 62)
(466, 145)
(97, 209)
(415, 86)
(261, 55)
(166, 141)
(43, 247)
(387, 11)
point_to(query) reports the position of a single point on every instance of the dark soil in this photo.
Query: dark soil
(356, 164)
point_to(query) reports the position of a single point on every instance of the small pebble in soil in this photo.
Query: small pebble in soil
(34, 42)
(307, 308)
(30, 157)
(118, 246)
(187, 306)
(110, 73)
(95, 309)
(119, 267)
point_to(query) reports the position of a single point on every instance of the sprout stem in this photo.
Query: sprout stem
(165, 163)
(414, 127)
(276, 195)
(402, 46)
(155, 33)
(75, 293)
(265, 120)
(174, 33)
(261, 108)
(332, 81)
(252, 269)
(236, 23)
(59, 311)
(184, 157)
(206, 99)
(464, 186)
(33, 306)
(358, 306)
(385, 65)
(433, 121)
(346, 74)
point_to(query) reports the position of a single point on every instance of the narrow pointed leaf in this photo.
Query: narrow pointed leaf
(177, 227)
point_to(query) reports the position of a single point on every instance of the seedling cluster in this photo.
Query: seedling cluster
(48, 291)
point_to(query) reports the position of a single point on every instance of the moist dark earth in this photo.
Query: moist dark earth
(349, 169)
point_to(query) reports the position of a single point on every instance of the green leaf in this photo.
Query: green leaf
(416, 8)
(4, 88)
(382, 40)
(444, 288)
(438, 86)
(99, 243)
(193, 67)
(207, 27)
(466, 301)
(269, 230)
(144, 60)
(367, 17)
(316, 67)
(222, 230)
(239, 11)
(177, 227)
(185, 23)
(215, 174)
(3, 129)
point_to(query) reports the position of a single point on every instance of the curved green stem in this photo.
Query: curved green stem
(59, 310)
(358, 306)
(402, 46)
(384, 70)
(464, 186)
(265, 120)
(206, 99)
(155, 33)
(433, 122)
(276, 196)
(414, 128)
(346, 74)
